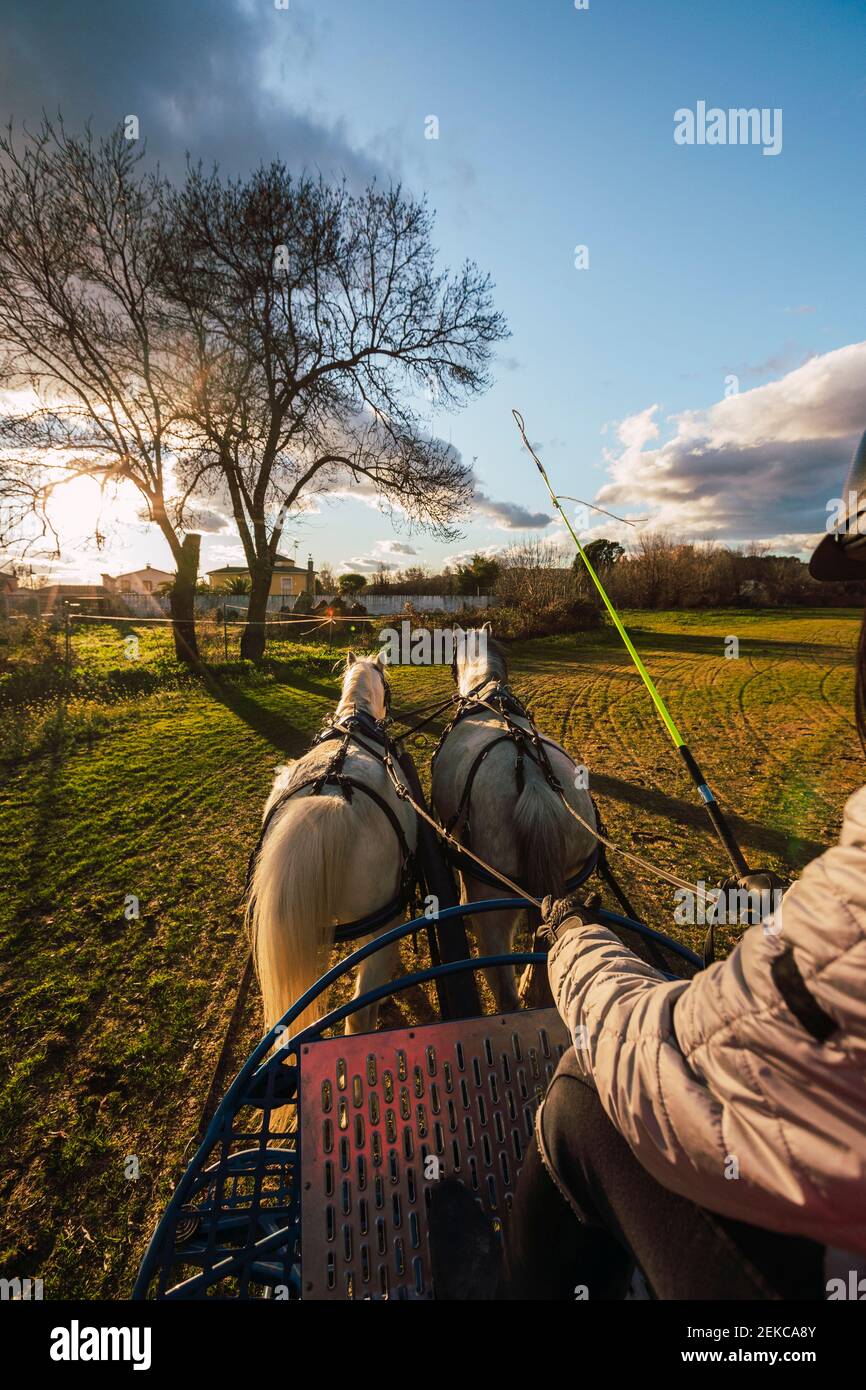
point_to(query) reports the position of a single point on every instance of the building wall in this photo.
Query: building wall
(137, 581)
(288, 584)
(282, 585)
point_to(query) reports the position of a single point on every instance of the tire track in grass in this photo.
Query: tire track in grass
(840, 714)
(783, 764)
(834, 735)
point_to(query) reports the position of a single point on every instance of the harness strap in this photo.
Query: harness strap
(799, 998)
(463, 804)
(508, 706)
(346, 785)
(346, 931)
(518, 736)
(468, 704)
(596, 832)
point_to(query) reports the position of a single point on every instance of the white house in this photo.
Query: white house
(146, 581)
(287, 580)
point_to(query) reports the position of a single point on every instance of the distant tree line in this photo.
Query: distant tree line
(478, 576)
(657, 572)
(662, 573)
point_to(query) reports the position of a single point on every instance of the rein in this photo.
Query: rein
(520, 736)
(436, 708)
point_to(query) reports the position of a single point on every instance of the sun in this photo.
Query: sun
(82, 509)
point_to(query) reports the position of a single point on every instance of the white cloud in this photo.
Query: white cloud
(762, 464)
(385, 555)
(637, 430)
(464, 557)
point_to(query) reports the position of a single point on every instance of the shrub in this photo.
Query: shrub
(516, 624)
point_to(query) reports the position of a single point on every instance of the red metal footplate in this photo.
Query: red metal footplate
(384, 1116)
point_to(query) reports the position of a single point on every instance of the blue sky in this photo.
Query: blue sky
(555, 129)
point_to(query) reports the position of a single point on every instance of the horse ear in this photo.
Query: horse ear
(379, 662)
(351, 659)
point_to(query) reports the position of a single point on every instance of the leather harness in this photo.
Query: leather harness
(528, 743)
(359, 728)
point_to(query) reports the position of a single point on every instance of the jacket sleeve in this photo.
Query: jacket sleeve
(619, 1012)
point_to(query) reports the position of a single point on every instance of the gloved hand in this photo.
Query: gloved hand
(743, 901)
(561, 915)
(748, 899)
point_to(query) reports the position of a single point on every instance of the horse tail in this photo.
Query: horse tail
(291, 911)
(542, 840)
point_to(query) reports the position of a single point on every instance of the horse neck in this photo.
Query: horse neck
(482, 674)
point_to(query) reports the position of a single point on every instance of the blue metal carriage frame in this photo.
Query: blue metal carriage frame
(233, 1222)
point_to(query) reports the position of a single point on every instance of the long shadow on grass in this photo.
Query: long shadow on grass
(272, 725)
(791, 849)
(31, 902)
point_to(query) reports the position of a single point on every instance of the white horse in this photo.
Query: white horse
(327, 860)
(526, 834)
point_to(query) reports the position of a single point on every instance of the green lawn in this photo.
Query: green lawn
(143, 781)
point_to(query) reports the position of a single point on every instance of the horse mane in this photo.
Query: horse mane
(497, 660)
(493, 665)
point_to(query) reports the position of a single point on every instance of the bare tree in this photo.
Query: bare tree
(534, 574)
(327, 584)
(86, 344)
(319, 319)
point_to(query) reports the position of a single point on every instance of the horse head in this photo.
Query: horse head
(478, 659)
(365, 686)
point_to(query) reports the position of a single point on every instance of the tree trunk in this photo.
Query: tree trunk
(253, 636)
(182, 599)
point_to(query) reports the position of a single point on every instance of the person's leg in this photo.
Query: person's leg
(620, 1214)
(548, 1252)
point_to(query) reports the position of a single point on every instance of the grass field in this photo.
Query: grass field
(151, 784)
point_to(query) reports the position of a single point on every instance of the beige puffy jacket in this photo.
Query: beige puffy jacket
(718, 1084)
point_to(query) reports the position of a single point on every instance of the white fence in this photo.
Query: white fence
(426, 603)
(375, 604)
(152, 605)
(157, 605)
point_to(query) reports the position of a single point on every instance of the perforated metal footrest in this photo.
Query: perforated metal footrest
(386, 1115)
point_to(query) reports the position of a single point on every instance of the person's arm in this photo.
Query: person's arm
(613, 1004)
(621, 1015)
(715, 1083)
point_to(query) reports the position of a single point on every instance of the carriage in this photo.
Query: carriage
(317, 1172)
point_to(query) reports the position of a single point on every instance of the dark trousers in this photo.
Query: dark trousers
(586, 1211)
